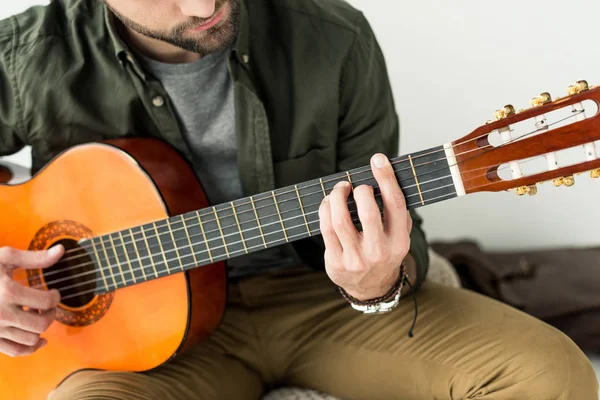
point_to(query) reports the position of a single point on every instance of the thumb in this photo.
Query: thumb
(30, 259)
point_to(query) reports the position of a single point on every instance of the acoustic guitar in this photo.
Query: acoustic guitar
(143, 277)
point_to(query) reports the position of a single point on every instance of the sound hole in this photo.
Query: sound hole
(73, 275)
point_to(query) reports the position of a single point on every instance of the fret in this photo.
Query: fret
(150, 256)
(247, 215)
(179, 247)
(231, 231)
(174, 244)
(291, 213)
(279, 214)
(350, 180)
(330, 181)
(131, 247)
(168, 249)
(302, 210)
(204, 236)
(187, 234)
(112, 244)
(99, 263)
(237, 221)
(215, 239)
(416, 179)
(121, 258)
(262, 235)
(192, 235)
(221, 231)
(109, 264)
(270, 220)
(434, 175)
(162, 251)
(127, 257)
(311, 201)
(323, 187)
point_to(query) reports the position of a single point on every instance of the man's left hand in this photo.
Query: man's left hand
(366, 264)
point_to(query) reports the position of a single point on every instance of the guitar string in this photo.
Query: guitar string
(126, 254)
(199, 215)
(219, 238)
(182, 267)
(150, 255)
(241, 251)
(268, 197)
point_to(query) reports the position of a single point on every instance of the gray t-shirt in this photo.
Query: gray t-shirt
(202, 95)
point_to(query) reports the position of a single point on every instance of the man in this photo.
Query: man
(258, 94)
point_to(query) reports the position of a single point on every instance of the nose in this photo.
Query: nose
(197, 8)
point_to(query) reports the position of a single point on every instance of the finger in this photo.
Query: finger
(20, 336)
(11, 257)
(37, 299)
(15, 349)
(394, 203)
(332, 243)
(34, 322)
(368, 213)
(13, 293)
(340, 216)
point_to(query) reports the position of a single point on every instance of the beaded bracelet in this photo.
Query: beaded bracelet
(391, 293)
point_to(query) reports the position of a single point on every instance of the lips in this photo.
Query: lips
(215, 19)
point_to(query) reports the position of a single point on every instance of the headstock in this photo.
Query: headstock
(499, 155)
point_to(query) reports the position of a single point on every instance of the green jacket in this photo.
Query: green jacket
(312, 95)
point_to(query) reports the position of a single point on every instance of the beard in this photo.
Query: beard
(215, 39)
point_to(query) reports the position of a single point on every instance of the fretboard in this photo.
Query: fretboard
(250, 224)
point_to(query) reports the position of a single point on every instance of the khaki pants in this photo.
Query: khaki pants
(293, 328)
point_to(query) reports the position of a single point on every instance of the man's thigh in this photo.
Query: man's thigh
(209, 371)
(465, 346)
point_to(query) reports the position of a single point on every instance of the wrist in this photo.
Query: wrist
(384, 291)
(371, 297)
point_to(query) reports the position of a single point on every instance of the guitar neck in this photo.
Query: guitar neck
(254, 223)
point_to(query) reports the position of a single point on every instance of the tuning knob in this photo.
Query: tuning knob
(530, 190)
(577, 88)
(541, 99)
(558, 182)
(504, 112)
(569, 180)
(595, 173)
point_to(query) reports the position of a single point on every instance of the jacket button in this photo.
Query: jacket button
(245, 58)
(158, 101)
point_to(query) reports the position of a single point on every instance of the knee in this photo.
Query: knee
(556, 368)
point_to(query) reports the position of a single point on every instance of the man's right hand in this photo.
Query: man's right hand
(19, 329)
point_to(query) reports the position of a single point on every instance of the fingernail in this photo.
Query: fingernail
(54, 250)
(326, 199)
(379, 160)
(341, 184)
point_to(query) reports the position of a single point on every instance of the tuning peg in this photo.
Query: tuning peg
(569, 180)
(541, 99)
(529, 189)
(595, 173)
(578, 87)
(558, 182)
(504, 112)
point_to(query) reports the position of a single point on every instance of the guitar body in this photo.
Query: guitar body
(95, 189)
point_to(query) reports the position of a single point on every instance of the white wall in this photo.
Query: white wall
(452, 63)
